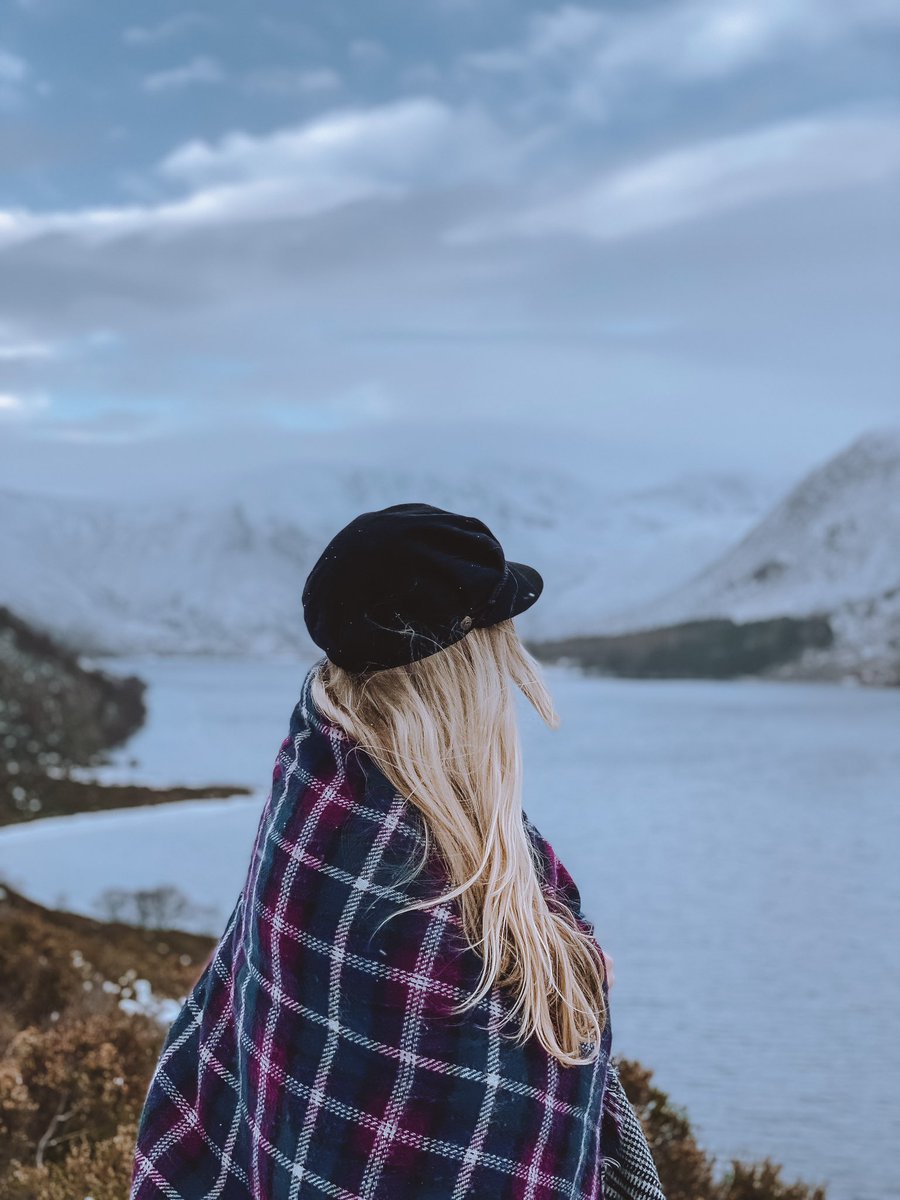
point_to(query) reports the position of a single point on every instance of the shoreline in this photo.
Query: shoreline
(61, 718)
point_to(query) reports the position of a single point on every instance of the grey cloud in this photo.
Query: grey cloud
(200, 70)
(13, 69)
(14, 79)
(345, 156)
(288, 81)
(813, 154)
(686, 41)
(20, 405)
(25, 351)
(166, 30)
(708, 38)
(587, 65)
(684, 294)
(367, 50)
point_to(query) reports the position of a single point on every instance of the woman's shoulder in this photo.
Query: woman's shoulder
(332, 819)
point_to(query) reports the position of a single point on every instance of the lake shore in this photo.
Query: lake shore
(58, 717)
(725, 836)
(786, 649)
(82, 1025)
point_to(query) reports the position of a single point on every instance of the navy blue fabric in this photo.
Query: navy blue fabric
(398, 584)
(317, 1054)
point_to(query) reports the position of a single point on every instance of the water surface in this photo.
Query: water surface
(736, 845)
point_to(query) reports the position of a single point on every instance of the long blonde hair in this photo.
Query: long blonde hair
(443, 731)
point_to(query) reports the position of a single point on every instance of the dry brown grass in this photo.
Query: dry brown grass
(74, 1067)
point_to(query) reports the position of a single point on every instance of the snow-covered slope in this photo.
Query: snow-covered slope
(832, 546)
(221, 571)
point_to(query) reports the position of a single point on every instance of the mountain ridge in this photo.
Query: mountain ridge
(222, 572)
(829, 547)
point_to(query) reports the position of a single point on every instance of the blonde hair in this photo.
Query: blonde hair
(443, 730)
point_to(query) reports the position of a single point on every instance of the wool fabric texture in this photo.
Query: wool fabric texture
(316, 1055)
(398, 584)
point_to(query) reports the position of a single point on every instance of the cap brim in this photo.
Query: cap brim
(522, 588)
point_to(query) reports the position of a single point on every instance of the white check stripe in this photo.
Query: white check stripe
(301, 855)
(148, 1169)
(534, 1170)
(631, 1174)
(172, 1049)
(354, 899)
(598, 1066)
(356, 806)
(208, 1058)
(284, 895)
(409, 1040)
(492, 1082)
(369, 966)
(422, 1062)
(244, 1064)
(249, 926)
(412, 1138)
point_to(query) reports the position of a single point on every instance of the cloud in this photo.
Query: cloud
(387, 143)
(164, 31)
(344, 156)
(19, 347)
(704, 178)
(112, 425)
(14, 77)
(655, 280)
(703, 39)
(200, 70)
(25, 351)
(550, 33)
(286, 81)
(15, 406)
(687, 41)
(12, 68)
(367, 51)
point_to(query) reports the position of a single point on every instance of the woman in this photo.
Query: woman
(408, 1002)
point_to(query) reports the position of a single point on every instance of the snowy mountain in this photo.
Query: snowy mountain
(831, 546)
(221, 570)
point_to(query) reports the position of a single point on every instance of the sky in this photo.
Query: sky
(659, 238)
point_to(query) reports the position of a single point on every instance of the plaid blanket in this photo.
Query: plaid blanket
(316, 1056)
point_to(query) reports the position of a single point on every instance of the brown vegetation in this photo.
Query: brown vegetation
(686, 1171)
(74, 1066)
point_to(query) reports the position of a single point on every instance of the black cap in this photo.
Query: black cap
(404, 582)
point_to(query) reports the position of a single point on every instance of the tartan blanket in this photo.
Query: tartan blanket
(315, 1055)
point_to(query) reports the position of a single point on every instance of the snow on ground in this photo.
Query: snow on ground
(833, 541)
(222, 571)
(145, 1003)
(832, 546)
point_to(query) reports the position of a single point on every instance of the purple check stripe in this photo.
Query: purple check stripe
(317, 1056)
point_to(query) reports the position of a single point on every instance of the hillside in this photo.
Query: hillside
(56, 715)
(830, 548)
(80, 1030)
(82, 1020)
(711, 648)
(221, 571)
(53, 714)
